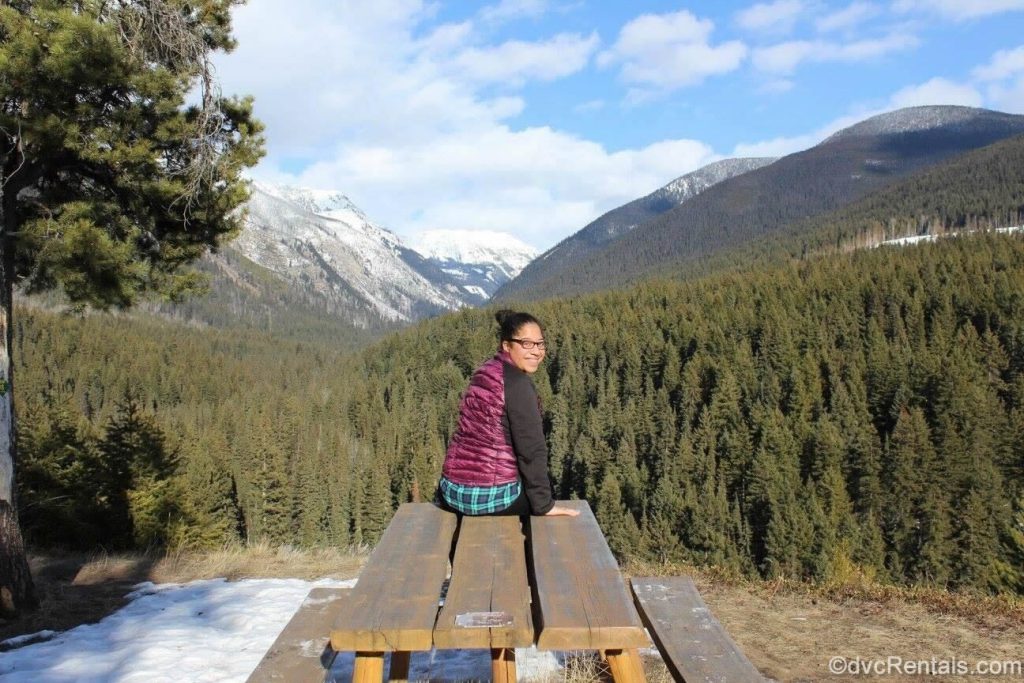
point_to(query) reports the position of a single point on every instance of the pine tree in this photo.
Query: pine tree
(109, 184)
(916, 518)
(618, 525)
(210, 499)
(135, 480)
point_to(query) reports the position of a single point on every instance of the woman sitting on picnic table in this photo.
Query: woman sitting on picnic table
(497, 460)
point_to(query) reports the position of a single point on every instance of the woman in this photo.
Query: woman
(497, 461)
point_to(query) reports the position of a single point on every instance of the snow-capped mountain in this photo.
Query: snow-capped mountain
(321, 242)
(952, 119)
(481, 261)
(621, 220)
(692, 184)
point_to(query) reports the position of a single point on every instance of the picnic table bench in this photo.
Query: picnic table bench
(434, 581)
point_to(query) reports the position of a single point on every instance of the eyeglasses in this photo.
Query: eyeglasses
(527, 344)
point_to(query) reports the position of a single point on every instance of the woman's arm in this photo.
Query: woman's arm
(527, 430)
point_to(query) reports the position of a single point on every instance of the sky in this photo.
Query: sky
(154, 638)
(534, 117)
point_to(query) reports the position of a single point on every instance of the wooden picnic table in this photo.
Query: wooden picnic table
(435, 581)
(554, 584)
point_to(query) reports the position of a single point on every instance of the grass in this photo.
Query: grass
(1006, 610)
(788, 629)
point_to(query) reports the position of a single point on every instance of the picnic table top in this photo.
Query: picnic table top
(559, 587)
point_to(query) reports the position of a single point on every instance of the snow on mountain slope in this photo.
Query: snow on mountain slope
(916, 119)
(321, 242)
(481, 261)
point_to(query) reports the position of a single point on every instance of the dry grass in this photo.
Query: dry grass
(986, 610)
(586, 666)
(788, 630)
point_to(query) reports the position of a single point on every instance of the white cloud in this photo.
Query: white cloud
(1004, 64)
(516, 61)
(936, 91)
(848, 17)
(537, 183)
(514, 9)
(670, 51)
(1004, 75)
(785, 57)
(1008, 97)
(370, 99)
(779, 16)
(959, 10)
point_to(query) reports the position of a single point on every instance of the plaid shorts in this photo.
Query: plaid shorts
(479, 500)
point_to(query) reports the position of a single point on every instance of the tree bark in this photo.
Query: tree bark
(17, 592)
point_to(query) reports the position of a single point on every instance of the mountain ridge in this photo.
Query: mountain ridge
(751, 206)
(616, 222)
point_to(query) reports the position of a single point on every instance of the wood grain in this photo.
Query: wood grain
(394, 604)
(582, 602)
(488, 575)
(693, 644)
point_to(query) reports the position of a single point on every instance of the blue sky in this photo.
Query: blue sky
(533, 117)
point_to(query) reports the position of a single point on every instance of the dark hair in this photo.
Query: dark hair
(510, 322)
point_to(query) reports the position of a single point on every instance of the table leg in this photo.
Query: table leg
(369, 667)
(399, 670)
(503, 665)
(626, 666)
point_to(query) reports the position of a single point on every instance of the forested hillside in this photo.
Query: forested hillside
(745, 212)
(860, 412)
(980, 190)
(615, 223)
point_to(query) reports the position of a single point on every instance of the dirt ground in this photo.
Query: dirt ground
(793, 637)
(789, 633)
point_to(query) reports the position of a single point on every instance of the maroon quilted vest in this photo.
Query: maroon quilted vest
(479, 453)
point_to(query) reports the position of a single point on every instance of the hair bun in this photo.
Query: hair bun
(503, 315)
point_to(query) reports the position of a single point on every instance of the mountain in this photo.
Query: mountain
(621, 220)
(324, 245)
(481, 261)
(747, 208)
(312, 263)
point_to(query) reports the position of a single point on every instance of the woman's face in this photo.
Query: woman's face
(527, 360)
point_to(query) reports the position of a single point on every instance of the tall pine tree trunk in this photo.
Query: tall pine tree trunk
(17, 592)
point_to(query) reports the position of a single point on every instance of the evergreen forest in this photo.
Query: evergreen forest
(858, 413)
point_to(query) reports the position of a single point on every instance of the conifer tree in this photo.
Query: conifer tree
(618, 525)
(109, 183)
(135, 482)
(210, 499)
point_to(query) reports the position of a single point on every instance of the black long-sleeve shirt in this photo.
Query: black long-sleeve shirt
(524, 426)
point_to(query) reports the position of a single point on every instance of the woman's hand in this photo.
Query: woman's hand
(559, 511)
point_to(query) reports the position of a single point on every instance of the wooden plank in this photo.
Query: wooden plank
(693, 644)
(503, 665)
(394, 604)
(488, 601)
(580, 598)
(368, 667)
(625, 666)
(300, 652)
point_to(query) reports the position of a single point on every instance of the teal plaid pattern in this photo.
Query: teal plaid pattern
(479, 500)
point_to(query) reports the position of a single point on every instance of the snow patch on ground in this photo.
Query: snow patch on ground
(916, 239)
(212, 631)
